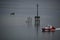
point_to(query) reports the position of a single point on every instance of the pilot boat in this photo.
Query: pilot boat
(48, 29)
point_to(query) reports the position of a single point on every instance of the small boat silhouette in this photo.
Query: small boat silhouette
(12, 13)
(48, 29)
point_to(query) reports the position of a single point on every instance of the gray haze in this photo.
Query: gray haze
(49, 11)
(13, 27)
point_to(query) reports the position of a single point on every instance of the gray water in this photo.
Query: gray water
(13, 27)
(25, 32)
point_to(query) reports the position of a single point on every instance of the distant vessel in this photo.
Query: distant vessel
(37, 18)
(48, 29)
(12, 13)
(29, 20)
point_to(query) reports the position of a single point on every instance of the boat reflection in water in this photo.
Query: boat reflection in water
(37, 29)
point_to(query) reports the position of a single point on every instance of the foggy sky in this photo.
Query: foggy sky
(49, 11)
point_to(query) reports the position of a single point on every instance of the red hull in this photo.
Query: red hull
(48, 29)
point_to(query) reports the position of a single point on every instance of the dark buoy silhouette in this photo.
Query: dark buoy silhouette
(12, 13)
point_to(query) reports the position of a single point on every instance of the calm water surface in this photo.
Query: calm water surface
(27, 33)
